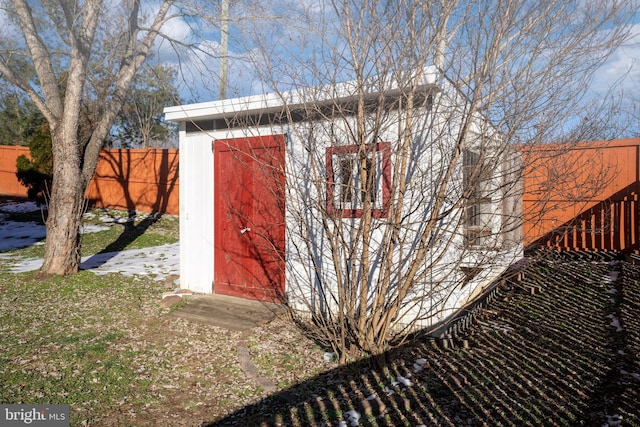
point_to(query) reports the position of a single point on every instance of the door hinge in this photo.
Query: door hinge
(212, 143)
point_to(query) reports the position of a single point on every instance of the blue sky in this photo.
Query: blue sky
(287, 24)
(621, 70)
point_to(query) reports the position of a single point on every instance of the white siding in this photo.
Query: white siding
(196, 212)
(442, 282)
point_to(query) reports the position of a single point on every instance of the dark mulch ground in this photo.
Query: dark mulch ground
(551, 357)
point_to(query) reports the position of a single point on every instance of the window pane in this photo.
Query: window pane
(352, 182)
(345, 179)
(477, 210)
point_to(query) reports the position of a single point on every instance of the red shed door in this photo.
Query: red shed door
(249, 207)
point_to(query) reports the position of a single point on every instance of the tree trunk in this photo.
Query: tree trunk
(60, 100)
(66, 206)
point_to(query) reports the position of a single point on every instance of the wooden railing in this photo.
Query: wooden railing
(583, 197)
(611, 225)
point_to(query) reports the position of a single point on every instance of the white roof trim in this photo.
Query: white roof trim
(272, 102)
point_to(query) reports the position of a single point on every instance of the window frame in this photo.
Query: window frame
(383, 181)
(477, 206)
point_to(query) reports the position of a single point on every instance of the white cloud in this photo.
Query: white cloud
(621, 71)
(283, 26)
(177, 29)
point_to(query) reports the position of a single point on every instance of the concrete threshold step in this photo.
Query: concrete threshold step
(228, 312)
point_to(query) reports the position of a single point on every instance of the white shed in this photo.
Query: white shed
(273, 200)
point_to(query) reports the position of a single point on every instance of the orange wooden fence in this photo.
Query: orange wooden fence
(141, 180)
(9, 184)
(577, 197)
(583, 197)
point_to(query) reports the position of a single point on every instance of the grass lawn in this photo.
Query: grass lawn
(103, 345)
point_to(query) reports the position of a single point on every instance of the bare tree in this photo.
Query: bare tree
(404, 183)
(82, 53)
(140, 124)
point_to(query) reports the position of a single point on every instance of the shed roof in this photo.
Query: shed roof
(275, 102)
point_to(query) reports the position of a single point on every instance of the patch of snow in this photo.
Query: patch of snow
(419, 365)
(328, 356)
(20, 207)
(16, 235)
(623, 372)
(119, 217)
(158, 261)
(93, 228)
(611, 277)
(404, 381)
(353, 417)
(614, 420)
(115, 220)
(615, 323)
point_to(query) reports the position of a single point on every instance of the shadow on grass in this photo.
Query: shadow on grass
(546, 357)
(156, 168)
(18, 228)
(130, 233)
(37, 215)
